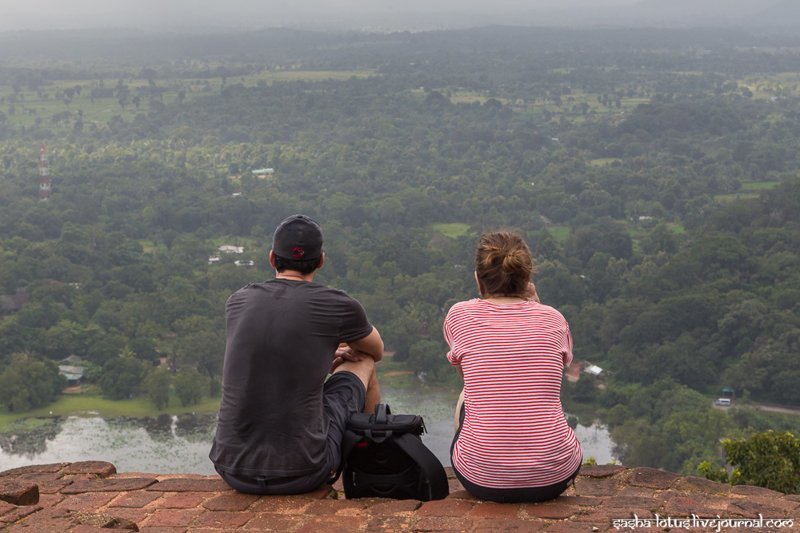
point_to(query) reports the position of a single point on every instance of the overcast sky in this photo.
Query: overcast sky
(184, 14)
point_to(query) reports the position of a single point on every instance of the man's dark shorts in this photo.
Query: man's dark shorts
(342, 395)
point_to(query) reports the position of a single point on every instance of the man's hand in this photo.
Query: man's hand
(346, 353)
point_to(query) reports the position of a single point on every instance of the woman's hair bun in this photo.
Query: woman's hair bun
(503, 263)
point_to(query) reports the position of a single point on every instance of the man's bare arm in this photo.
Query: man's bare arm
(371, 345)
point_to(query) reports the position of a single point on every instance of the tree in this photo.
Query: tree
(28, 382)
(122, 376)
(189, 387)
(157, 386)
(767, 459)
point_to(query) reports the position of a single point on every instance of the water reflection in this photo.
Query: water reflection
(31, 440)
(180, 443)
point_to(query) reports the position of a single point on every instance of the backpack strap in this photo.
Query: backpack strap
(349, 441)
(432, 468)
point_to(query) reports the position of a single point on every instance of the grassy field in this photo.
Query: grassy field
(94, 404)
(31, 106)
(560, 233)
(749, 186)
(603, 161)
(453, 230)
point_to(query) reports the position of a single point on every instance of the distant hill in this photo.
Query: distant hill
(784, 13)
(708, 12)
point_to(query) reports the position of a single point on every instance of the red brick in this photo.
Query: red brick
(190, 485)
(47, 520)
(289, 505)
(495, 510)
(34, 469)
(222, 519)
(632, 502)
(454, 485)
(587, 486)
(460, 495)
(325, 491)
(49, 500)
(107, 485)
(18, 514)
(640, 492)
(751, 509)
(442, 523)
(51, 487)
(690, 504)
(749, 490)
(390, 524)
(135, 515)
(392, 507)
(6, 507)
(183, 500)
(95, 468)
(83, 528)
(445, 508)
(505, 524)
(599, 471)
(101, 520)
(333, 524)
(39, 477)
(230, 502)
(699, 484)
(552, 510)
(172, 517)
(652, 478)
(332, 507)
(572, 527)
(19, 492)
(89, 501)
(134, 499)
(274, 522)
(583, 501)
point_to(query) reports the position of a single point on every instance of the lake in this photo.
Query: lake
(180, 444)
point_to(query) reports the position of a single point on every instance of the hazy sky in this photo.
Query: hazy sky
(69, 14)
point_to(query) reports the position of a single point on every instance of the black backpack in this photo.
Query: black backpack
(384, 457)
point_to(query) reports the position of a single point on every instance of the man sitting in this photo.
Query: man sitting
(281, 423)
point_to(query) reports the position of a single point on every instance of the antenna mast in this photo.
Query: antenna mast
(44, 175)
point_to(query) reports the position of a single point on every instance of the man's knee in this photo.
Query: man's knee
(363, 369)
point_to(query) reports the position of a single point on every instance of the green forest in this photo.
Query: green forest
(655, 174)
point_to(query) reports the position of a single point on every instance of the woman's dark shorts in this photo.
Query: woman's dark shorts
(515, 495)
(342, 395)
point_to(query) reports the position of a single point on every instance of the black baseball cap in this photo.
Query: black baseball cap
(299, 238)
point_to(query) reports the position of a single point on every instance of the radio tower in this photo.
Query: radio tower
(44, 175)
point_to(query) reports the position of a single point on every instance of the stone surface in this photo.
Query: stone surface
(107, 485)
(190, 485)
(19, 492)
(601, 470)
(651, 478)
(89, 497)
(95, 468)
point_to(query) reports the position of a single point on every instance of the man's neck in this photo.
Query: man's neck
(294, 275)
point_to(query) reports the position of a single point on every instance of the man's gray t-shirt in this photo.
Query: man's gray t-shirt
(281, 337)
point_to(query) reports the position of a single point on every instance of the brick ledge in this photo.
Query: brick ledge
(91, 496)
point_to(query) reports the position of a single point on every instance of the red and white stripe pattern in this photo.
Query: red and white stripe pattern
(514, 433)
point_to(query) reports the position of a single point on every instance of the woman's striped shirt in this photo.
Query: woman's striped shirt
(514, 433)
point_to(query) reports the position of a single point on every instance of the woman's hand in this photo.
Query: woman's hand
(531, 294)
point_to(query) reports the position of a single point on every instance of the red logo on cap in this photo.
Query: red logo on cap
(298, 253)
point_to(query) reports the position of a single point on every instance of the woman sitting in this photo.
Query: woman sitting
(512, 441)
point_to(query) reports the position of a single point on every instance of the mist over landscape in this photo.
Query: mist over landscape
(186, 15)
(646, 149)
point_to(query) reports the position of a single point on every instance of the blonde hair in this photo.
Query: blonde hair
(503, 264)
